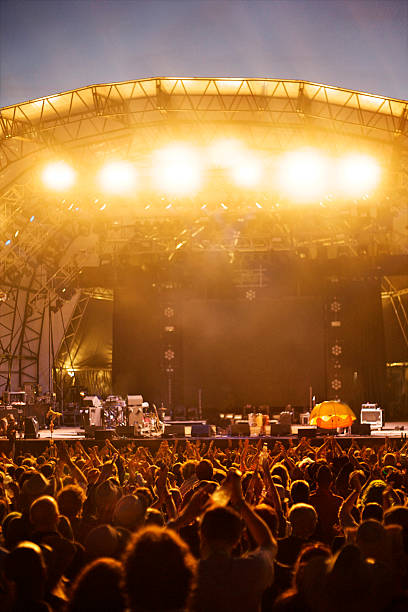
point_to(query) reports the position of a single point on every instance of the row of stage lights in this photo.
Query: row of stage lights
(179, 170)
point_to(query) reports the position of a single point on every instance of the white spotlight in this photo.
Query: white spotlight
(177, 170)
(58, 175)
(358, 174)
(225, 152)
(247, 172)
(117, 177)
(303, 175)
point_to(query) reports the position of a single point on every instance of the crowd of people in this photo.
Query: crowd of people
(196, 527)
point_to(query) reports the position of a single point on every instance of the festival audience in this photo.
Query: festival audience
(202, 528)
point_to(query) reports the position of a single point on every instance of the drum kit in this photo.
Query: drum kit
(144, 419)
(114, 412)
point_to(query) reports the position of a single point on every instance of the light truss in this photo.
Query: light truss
(64, 358)
(268, 110)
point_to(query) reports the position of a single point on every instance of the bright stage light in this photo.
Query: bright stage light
(225, 152)
(58, 176)
(247, 171)
(177, 170)
(358, 174)
(117, 177)
(303, 175)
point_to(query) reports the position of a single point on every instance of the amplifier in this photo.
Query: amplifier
(372, 415)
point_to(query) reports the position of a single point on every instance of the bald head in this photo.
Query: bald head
(303, 519)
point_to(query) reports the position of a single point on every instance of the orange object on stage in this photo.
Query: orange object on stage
(331, 415)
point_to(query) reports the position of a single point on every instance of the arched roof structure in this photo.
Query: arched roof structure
(47, 240)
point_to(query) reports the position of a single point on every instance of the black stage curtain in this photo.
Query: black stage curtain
(364, 347)
(265, 351)
(137, 347)
(395, 345)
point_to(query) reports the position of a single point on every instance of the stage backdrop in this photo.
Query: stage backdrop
(237, 351)
(265, 351)
(137, 350)
(251, 348)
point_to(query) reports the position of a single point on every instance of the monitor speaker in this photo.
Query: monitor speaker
(321, 431)
(240, 429)
(31, 428)
(125, 431)
(175, 430)
(307, 432)
(200, 430)
(89, 431)
(361, 429)
(281, 429)
(104, 434)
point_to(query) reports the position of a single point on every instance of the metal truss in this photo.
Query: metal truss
(274, 109)
(396, 297)
(31, 278)
(64, 358)
(351, 231)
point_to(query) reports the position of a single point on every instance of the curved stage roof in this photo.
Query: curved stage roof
(99, 113)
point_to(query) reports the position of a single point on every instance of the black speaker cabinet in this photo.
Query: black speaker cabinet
(200, 430)
(361, 429)
(240, 429)
(175, 430)
(281, 429)
(31, 428)
(125, 431)
(307, 432)
(321, 431)
(104, 434)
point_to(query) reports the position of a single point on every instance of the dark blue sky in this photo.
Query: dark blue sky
(48, 46)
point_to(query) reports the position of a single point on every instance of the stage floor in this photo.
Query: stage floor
(390, 430)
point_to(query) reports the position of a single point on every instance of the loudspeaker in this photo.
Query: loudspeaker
(307, 432)
(280, 429)
(125, 431)
(240, 429)
(200, 430)
(174, 430)
(104, 434)
(89, 431)
(31, 428)
(361, 429)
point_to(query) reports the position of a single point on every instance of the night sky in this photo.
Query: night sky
(49, 46)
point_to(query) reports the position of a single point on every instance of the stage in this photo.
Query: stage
(392, 430)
